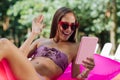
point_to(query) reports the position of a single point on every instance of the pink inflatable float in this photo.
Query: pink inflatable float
(105, 69)
(5, 71)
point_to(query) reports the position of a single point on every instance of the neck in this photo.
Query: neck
(55, 40)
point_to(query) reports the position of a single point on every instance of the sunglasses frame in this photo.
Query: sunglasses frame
(66, 25)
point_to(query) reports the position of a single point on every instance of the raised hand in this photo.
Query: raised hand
(37, 24)
(37, 27)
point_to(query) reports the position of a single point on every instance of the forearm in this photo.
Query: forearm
(26, 45)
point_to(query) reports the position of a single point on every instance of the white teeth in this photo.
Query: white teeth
(66, 33)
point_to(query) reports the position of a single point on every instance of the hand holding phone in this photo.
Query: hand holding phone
(86, 48)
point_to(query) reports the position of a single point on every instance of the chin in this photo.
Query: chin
(64, 39)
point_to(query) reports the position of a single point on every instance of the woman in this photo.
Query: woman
(50, 57)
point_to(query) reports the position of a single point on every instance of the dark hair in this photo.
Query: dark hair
(57, 17)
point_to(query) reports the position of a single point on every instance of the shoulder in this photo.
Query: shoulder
(74, 45)
(74, 49)
(42, 41)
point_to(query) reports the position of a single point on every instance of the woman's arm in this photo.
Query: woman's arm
(76, 72)
(88, 64)
(26, 45)
(37, 27)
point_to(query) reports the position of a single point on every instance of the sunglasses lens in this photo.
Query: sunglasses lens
(65, 26)
(73, 26)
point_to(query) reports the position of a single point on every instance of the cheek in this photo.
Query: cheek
(59, 31)
(60, 28)
(71, 33)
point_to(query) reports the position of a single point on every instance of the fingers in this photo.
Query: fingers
(90, 59)
(37, 24)
(39, 19)
(89, 63)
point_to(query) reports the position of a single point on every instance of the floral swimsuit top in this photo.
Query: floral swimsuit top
(57, 56)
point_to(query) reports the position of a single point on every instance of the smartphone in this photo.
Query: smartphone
(86, 48)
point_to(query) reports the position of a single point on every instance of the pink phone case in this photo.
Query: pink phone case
(86, 48)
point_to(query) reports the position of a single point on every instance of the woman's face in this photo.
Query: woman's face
(66, 27)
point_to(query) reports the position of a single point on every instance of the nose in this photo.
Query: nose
(69, 29)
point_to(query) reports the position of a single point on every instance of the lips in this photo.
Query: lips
(66, 34)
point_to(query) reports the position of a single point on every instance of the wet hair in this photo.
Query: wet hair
(59, 14)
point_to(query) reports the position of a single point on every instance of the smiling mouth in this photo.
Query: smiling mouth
(66, 34)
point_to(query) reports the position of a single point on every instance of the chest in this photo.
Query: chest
(68, 49)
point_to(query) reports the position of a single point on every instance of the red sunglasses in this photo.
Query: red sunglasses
(66, 25)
